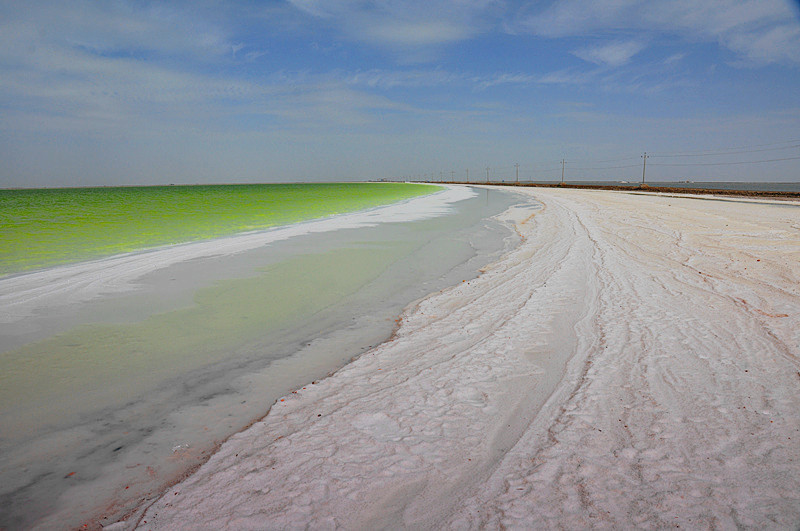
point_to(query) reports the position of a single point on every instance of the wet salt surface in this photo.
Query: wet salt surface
(68, 456)
(633, 363)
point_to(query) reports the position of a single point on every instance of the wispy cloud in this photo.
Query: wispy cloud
(390, 79)
(405, 27)
(115, 64)
(612, 54)
(486, 82)
(674, 58)
(778, 44)
(416, 33)
(758, 31)
(113, 28)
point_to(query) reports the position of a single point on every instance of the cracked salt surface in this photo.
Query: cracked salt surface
(633, 363)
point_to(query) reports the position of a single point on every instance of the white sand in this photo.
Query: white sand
(633, 363)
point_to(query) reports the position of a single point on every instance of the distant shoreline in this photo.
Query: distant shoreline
(774, 194)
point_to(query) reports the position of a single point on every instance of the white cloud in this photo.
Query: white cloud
(116, 28)
(389, 79)
(564, 18)
(778, 44)
(418, 33)
(674, 58)
(403, 25)
(91, 66)
(483, 83)
(759, 31)
(612, 54)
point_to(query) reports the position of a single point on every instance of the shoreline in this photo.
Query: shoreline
(511, 216)
(406, 434)
(425, 253)
(115, 221)
(139, 513)
(86, 279)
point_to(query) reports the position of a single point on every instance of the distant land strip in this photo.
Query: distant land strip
(775, 194)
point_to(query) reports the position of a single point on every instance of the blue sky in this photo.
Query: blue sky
(138, 92)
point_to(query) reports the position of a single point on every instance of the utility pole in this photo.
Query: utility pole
(644, 165)
(452, 178)
(517, 167)
(467, 174)
(487, 174)
(563, 162)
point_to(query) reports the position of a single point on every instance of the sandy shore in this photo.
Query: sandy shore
(635, 362)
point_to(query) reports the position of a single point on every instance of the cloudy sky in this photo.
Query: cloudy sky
(128, 92)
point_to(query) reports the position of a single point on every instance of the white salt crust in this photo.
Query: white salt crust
(633, 363)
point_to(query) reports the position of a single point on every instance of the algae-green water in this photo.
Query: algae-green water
(46, 227)
(105, 401)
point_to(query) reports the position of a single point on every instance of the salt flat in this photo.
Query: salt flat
(634, 362)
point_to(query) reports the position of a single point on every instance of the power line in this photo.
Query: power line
(609, 167)
(498, 172)
(718, 153)
(722, 163)
(725, 151)
(604, 161)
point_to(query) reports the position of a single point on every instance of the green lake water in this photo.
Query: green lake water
(45, 227)
(106, 401)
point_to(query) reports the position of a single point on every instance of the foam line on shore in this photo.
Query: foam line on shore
(22, 295)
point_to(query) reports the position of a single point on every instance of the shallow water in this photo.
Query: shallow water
(106, 402)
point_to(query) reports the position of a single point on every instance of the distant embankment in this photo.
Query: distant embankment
(776, 194)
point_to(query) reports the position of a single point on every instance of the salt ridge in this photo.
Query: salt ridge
(633, 363)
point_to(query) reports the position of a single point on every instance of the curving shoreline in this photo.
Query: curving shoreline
(115, 386)
(632, 362)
